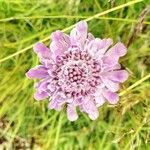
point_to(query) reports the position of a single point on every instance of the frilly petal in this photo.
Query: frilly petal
(71, 112)
(109, 61)
(90, 37)
(40, 95)
(54, 104)
(78, 34)
(97, 47)
(60, 43)
(91, 109)
(112, 97)
(99, 98)
(117, 66)
(118, 75)
(104, 45)
(117, 50)
(42, 51)
(38, 72)
(112, 86)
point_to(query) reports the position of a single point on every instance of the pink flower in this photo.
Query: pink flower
(78, 70)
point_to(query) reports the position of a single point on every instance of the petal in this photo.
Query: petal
(40, 95)
(99, 46)
(82, 28)
(90, 37)
(78, 34)
(109, 61)
(111, 68)
(93, 115)
(60, 97)
(104, 45)
(118, 75)
(60, 43)
(77, 101)
(94, 46)
(100, 100)
(112, 97)
(54, 104)
(37, 72)
(72, 113)
(91, 109)
(112, 86)
(42, 85)
(52, 87)
(117, 50)
(42, 51)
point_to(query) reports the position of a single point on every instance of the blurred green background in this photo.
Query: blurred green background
(27, 124)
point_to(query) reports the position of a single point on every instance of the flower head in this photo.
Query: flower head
(78, 70)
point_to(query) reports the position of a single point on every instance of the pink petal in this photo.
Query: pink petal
(117, 50)
(100, 100)
(78, 35)
(37, 72)
(77, 101)
(72, 113)
(93, 115)
(104, 45)
(112, 98)
(109, 61)
(42, 51)
(90, 108)
(40, 95)
(118, 75)
(90, 36)
(53, 104)
(112, 67)
(52, 86)
(112, 86)
(60, 97)
(42, 85)
(60, 43)
(94, 46)
(97, 47)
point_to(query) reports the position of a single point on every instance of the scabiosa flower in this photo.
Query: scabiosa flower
(78, 70)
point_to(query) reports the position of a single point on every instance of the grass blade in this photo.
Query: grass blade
(70, 27)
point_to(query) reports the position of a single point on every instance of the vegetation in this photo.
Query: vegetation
(28, 124)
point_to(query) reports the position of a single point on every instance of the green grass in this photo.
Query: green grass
(125, 126)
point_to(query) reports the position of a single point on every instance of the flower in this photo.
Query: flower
(78, 70)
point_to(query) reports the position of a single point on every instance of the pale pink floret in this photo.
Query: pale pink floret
(78, 71)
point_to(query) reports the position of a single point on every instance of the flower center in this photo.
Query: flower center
(78, 73)
(75, 74)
